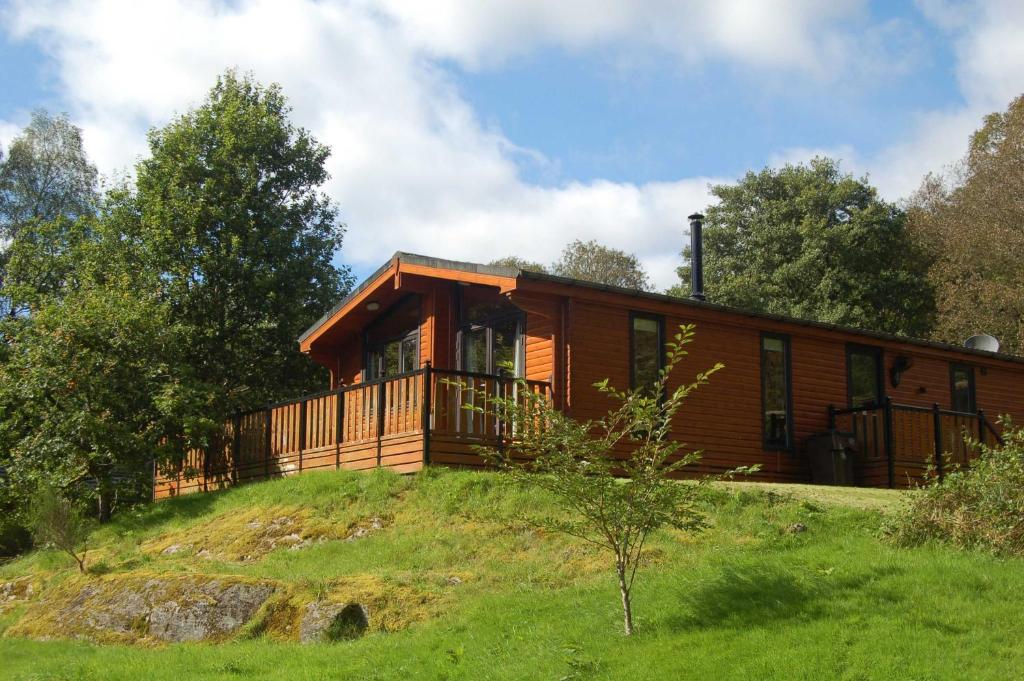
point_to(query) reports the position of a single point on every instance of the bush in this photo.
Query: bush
(981, 507)
(55, 520)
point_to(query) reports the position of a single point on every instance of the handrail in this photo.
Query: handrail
(902, 407)
(308, 431)
(897, 442)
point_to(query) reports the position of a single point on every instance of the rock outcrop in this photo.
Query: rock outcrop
(132, 608)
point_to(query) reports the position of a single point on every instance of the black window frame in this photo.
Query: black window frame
(788, 359)
(972, 387)
(487, 323)
(879, 353)
(369, 349)
(660, 319)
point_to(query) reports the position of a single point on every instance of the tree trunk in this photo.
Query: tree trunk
(104, 498)
(627, 607)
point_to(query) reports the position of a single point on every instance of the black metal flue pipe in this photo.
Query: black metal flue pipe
(696, 256)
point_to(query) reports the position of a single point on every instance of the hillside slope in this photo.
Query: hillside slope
(450, 590)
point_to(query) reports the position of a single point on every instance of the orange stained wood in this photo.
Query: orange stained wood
(576, 335)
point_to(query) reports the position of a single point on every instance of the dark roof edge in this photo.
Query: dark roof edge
(663, 297)
(413, 258)
(501, 271)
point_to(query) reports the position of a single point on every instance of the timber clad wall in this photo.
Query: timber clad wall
(574, 336)
(723, 418)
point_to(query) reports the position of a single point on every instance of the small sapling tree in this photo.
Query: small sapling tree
(612, 475)
(57, 521)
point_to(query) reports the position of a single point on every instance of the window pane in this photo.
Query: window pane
(864, 386)
(646, 358)
(775, 385)
(963, 389)
(410, 352)
(505, 335)
(474, 348)
(390, 360)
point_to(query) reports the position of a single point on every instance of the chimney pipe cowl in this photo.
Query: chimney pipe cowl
(696, 256)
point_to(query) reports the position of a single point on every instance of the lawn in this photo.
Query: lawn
(468, 596)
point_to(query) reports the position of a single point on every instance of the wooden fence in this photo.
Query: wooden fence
(898, 443)
(400, 422)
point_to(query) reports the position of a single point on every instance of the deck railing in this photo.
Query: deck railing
(899, 443)
(395, 421)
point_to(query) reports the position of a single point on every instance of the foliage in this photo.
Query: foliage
(45, 176)
(57, 521)
(591, 261)
(583, 464)
(91, 391)
(980, 507)
(808, 241)
(516, 262)
(972, 222)
(227, 213)
(588, 261)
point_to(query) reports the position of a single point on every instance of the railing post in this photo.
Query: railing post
(937, 426)
(236, 446)
(425, 416)
(981, 428)
(888, 435)
(302, 430)
(267, 441)
(380, 416)
(339, 431)
(205, 453)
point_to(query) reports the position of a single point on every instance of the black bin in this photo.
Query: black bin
(831, 457)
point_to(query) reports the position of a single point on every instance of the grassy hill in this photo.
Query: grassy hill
(454, 592)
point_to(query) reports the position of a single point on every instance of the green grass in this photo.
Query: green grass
(744, 600)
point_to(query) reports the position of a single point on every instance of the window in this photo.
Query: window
(961, 379)
(864, 375)
(777, 404)
(393, 341)
(491, 334)
(646, 350)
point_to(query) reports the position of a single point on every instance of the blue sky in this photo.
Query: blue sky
(471, 130)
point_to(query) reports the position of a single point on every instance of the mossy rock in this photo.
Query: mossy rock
(143, 607)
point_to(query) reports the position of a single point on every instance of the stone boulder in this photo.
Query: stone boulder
(323, 622)
(132, 608)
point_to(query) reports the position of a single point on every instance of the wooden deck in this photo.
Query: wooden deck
(401, 422)
(898, 445)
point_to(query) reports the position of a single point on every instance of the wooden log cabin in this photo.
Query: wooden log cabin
(399, 346)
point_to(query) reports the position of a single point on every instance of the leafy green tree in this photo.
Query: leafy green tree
(92, 390)
(591, 261)
(520, 263)
(972, 222)
(811, 242)
(228, 214)
(45, 176)
(582, 464)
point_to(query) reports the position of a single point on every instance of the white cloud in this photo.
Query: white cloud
(792, 33)
(413, 167)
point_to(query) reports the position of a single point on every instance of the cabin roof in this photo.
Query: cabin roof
(519, 273)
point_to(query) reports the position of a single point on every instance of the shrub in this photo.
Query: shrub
(57, 521)
(981, 507)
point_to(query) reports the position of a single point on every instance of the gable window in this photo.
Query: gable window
(491, 334)
(864, 384)
(646, 349)
(393, 341)
(776, 399)
(961, 378)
